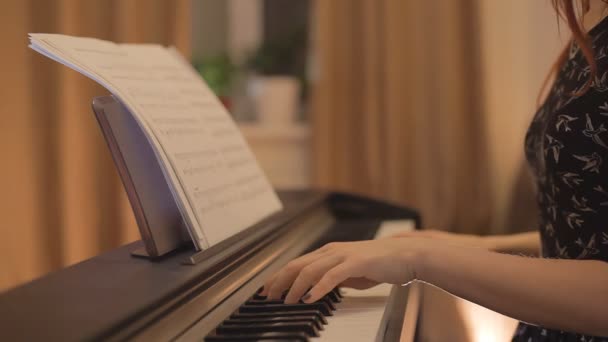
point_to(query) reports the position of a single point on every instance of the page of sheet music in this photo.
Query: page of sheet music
(215, 178)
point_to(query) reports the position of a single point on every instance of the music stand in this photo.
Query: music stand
(159, 220)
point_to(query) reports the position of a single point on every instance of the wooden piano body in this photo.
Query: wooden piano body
(116, 296)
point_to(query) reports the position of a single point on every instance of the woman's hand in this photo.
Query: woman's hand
(361, 264)
(522, 243)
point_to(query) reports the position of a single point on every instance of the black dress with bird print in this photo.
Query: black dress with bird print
(567, 149)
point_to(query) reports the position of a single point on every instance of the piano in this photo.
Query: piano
(116, 296)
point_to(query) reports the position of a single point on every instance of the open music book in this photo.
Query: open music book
(214, 178)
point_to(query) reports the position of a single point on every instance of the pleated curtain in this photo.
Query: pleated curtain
(62, 200)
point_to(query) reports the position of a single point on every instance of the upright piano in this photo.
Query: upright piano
(116, 296)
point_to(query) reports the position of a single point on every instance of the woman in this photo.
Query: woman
(562, 296)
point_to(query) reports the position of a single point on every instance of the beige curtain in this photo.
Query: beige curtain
(396, 107)
(62, 200)
(397, 114)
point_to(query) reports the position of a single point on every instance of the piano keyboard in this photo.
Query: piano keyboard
(342, 315)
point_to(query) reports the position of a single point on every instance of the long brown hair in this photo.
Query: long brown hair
(566, 10)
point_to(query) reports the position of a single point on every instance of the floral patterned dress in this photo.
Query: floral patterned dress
(567, 148)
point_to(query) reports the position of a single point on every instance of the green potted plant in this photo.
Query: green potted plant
(218, 72)
(277, 82)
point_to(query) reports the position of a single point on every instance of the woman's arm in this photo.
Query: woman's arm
(570, 295)
(522, 243)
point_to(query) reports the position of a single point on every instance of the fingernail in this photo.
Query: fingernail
(306, 296)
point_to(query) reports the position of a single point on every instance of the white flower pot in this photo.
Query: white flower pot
(276, 99)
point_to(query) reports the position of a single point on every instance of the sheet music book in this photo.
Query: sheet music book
(214, 177)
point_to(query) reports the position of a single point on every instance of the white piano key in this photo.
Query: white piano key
(357, 318)
(392, 227)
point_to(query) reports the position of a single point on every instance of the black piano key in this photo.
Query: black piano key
(329, 302)
(325, 300)
(257, 294)
(279, 319)
(258, 297)
(306, 327)
(320, 306)
(263, 301)
(315, 313)
(334, 297)
(266, 337)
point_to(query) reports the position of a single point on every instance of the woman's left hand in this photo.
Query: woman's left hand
(360, 264)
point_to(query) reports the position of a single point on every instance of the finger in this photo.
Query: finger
(400, 235)
(283, 278)
(292, 264)
(310, 275)
(329, 281)
(267, 285)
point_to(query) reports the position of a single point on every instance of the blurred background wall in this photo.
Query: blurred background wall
(420, 102)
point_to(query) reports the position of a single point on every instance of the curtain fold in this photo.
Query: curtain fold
(63, 200)
(396, 107)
